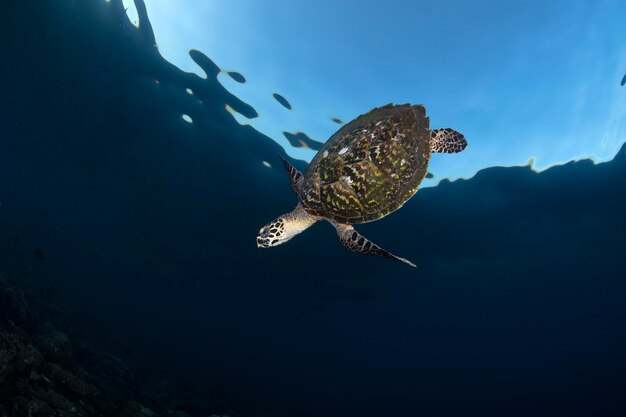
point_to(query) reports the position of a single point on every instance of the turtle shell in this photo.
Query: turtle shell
(370, 167)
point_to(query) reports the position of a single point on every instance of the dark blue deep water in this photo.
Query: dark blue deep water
(133, 232)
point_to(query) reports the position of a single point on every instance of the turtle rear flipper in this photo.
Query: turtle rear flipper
(354, 241)
(447, 141)
(295, 176)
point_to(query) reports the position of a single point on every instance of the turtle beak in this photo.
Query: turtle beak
(262, 243)
(262, 240)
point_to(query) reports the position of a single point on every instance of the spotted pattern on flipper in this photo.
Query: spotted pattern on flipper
(447, 140)
(369, 167)
(295, 176)
(356, 242)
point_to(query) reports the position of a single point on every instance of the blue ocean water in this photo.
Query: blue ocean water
(130, 199)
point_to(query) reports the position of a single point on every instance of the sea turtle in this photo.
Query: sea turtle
(369, 168)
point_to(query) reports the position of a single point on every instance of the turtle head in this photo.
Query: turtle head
(272, 234)
(284, 228)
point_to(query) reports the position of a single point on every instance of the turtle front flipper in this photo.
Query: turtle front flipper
(447, 141)
(352, 240)
(295, 176)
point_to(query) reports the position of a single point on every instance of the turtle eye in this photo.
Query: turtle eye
(265, 233)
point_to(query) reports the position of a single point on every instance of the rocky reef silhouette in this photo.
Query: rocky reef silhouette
(44, 374)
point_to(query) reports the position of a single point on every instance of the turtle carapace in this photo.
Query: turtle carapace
(369, 168)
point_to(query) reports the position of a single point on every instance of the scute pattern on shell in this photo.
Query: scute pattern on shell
(370, 167)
